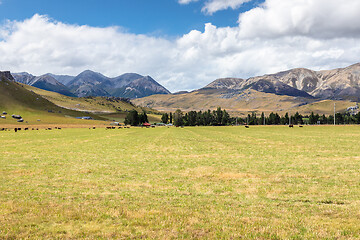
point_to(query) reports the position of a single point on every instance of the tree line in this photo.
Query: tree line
(220, 117)
(133, 118)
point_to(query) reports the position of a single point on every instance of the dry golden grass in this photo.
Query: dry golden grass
(169, 183)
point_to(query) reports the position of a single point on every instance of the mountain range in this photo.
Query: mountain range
(89, 83)
(293, 90)
(339, 84)
(280, 91)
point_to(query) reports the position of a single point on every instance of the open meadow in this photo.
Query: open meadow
(269, 182)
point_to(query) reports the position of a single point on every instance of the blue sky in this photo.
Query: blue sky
(156, 17)
(183, 44)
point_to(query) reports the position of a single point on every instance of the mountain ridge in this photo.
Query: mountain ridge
(90, 83)
(45, 82)
(337, 84)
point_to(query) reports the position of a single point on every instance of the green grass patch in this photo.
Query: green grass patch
(196, 182)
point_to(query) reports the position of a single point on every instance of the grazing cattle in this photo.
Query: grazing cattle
(15, 129)
(26, 129)
(59, 128)
(94, 127)
(108, 128)
(246, 126)
(32, 129)
(301, 126)
(16, 116)
(49, 129)
(291, 126)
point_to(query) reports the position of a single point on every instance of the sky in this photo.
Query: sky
(183, 44)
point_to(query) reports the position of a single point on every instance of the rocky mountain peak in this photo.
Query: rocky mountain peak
(226, 83)
(6, 75)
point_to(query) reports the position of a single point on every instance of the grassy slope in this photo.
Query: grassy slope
(325, 107)
(250, 100)
(111, 110)
(201, 182)
(95, 104)
(15, 99)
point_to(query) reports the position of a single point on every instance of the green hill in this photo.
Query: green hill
(110, 108)
(33, 108)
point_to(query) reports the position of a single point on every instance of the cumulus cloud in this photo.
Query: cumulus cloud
(213, 6)
(314, 18)
(266, 40)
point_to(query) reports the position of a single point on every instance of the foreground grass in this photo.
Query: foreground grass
(203, 182)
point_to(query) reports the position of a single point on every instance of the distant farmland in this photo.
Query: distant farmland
(193, 182)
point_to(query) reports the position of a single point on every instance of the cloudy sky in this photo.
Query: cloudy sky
(183, 44)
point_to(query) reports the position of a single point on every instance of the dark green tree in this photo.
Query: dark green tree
(132, 118)
(178, 118)
(339, 118)
(225, 118)
(262, 119)
(165, 118)
(312, 118)
(143, 118)
(192, 116)
(298, 119)
(218, 115)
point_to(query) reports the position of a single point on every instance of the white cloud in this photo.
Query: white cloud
(212, 6)
(267, 40)
(315, 18)
(186, 1)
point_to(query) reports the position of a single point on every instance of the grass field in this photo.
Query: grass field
(200, 182)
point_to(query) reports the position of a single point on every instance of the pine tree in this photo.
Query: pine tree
(165, 118)
(225, 118)
(262, 119)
